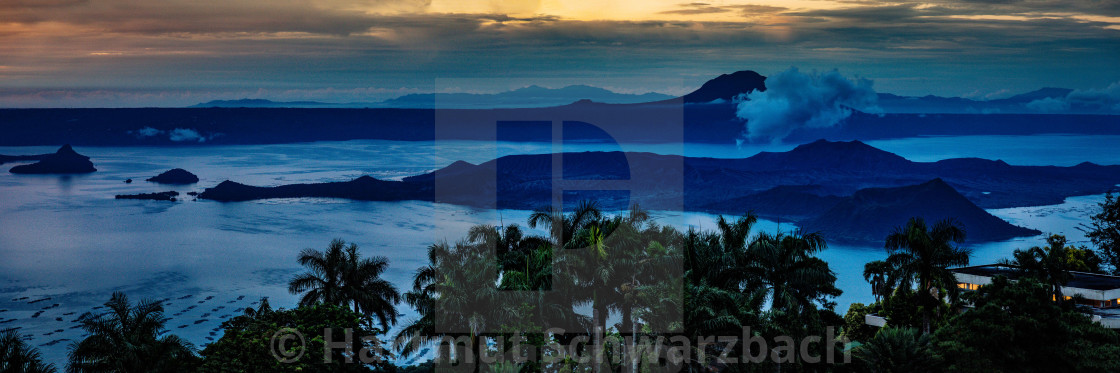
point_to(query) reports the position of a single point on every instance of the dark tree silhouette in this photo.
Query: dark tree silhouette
(340, 276)
(127, 339)
(923, 255)
(17, 357)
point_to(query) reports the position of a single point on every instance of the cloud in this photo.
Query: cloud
(176, 135)
(1098, 7)
(186, 135)
(1106, 100)
(696, 8)
(330, 17)
(705, 8)
(795, 100)
(1049, 105)
(146, 132)
(125, 46)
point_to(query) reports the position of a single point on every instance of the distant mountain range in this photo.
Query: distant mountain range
(848, 190)
(722, 89)
(1017, 104)
(527, 97)
(708, 115)
(262, 103)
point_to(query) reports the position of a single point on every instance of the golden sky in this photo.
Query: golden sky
(169, 52)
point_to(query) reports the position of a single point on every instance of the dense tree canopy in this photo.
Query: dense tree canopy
(129, 338)
(17, 357)
(249, 342)
(1104, 231)
(612, 276)
(340, 276)
(1017, 327)
(921, 256)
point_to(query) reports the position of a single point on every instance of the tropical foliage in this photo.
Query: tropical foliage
(1017, 327)
(1051, 264)
(855, 323)
(340, 276)
(1020, 325)
(1104, 232)
(249, 340)
(921, 256)
(896, 350)
(17, 357)
(129, 338)
(621, 267)
(613, 279)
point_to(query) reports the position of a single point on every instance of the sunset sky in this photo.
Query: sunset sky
(179, 52)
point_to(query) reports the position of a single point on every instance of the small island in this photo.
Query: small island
(176, 176)
(160, 196)
(64, 161)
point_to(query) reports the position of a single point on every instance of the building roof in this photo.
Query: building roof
(1081, 280)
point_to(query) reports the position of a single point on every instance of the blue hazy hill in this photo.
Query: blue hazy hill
(849, 190)
(531, 96)
(1017, 104)
(526, 97)
(706, 115)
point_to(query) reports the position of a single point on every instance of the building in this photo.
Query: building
(1100, 292)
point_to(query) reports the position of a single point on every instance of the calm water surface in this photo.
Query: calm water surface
(67, 239)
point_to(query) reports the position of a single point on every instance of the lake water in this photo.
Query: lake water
(67, 239)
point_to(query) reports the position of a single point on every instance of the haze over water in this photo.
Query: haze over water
(66, 238)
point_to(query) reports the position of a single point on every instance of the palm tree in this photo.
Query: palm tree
(563, 227)
(713, 293)
(340, 276)
(510, 242)
(734, 235)
(923, 255)
(720, 294)
(606, 270)
(624, 260)
(721, 259)
(421, 298)
(896, 350)
(528, 256)
(586, 270)
(632, 270)
(323, 281)
(455, 295)
(17, 357)
(127, 339)
(882, 278)
(363, 286)
(1048, 264)
(535, 272)
(593, 273)
(263, 309)
(791, 276)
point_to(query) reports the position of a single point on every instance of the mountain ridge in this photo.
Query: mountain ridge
(801, 185)
(721, 89)
(871, 214)
(532, 96)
